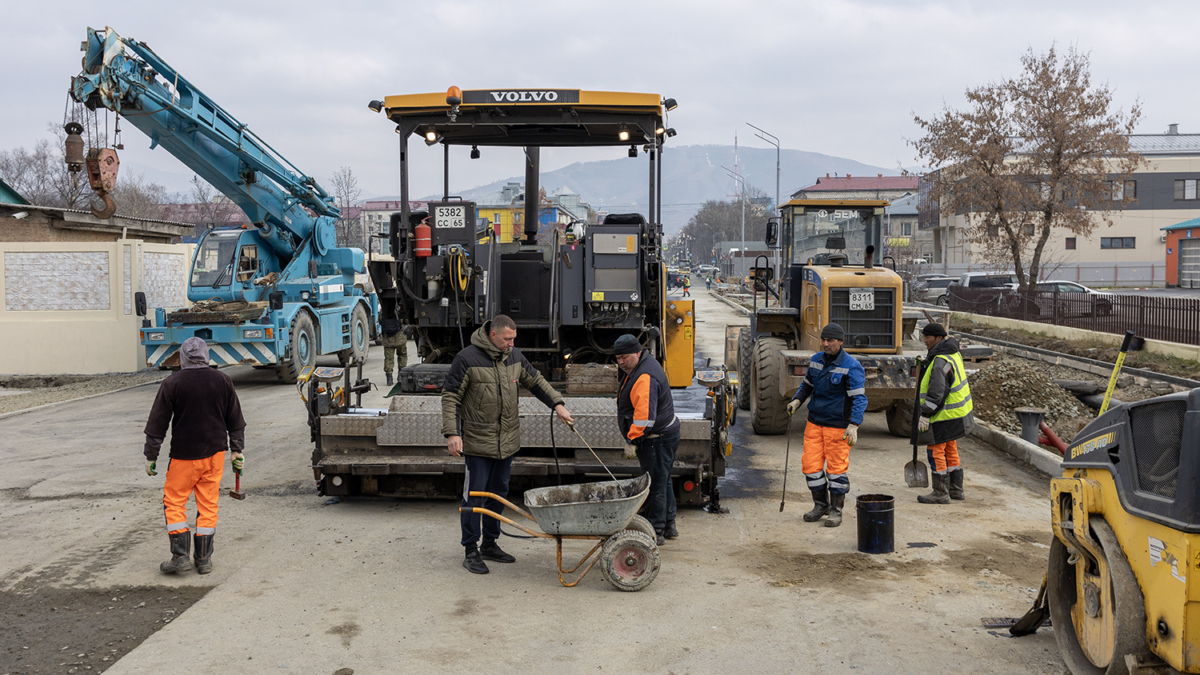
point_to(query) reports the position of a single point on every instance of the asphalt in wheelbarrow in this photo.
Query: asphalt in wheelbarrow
(599, 508)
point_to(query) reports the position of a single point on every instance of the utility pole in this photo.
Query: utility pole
(737, 179)
(774, 140)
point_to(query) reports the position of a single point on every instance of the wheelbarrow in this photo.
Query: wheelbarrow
(605, 512)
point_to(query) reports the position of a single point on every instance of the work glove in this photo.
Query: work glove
(238, 460)
(150, 468)
(851, 435)
(923, 424)
(630, 451)
(793, 406)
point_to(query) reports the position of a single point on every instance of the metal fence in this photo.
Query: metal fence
(1151, 317)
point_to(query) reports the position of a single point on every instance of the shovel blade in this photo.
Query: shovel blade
(916, 474)
(1031, 622)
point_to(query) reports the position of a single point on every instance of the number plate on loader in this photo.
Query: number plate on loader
(862, 299)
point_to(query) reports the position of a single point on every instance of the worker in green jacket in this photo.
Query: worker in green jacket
(481, 423)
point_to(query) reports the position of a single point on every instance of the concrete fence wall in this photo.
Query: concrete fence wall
(68, 307)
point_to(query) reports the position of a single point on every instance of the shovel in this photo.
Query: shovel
(916, 474)
(1034, 618)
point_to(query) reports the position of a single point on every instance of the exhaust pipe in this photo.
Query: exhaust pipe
(869, 261)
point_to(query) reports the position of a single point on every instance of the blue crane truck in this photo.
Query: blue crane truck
(273, 296)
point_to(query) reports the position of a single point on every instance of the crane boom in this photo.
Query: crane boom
(277, 295)
(127, 77)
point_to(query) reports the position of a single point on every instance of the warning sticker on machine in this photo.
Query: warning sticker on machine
(687, 333)
(597, 296)
(1159, 553)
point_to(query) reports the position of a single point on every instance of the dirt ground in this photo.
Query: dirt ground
(305, 585)
(57, 630)
(1158, 363)
(20, 392)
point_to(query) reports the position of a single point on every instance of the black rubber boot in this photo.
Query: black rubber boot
(939, 494)
(389, 379)
(181, 560)
(820, 506)
(474, 562)
(492, 551)
(670, 531)
(956, 484)
(204, 551)
(836, 502)
(659, 539)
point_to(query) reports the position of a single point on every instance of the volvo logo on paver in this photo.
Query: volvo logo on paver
(522, 96)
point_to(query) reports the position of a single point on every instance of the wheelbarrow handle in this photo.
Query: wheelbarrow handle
(492, 514)
(503, 501)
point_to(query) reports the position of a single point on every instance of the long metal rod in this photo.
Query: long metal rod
(446, 171)
(610, 474)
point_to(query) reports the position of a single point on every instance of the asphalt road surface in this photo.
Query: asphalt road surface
(301, 585)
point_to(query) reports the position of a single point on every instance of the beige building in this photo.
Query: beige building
(1132, 251)
(68, 282)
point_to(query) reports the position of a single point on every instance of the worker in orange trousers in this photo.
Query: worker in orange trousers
(201, 407)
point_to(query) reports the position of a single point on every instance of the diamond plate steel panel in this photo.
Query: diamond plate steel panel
(417, 420)
(350, 425)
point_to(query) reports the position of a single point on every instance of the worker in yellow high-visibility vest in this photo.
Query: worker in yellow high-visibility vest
(945, 413)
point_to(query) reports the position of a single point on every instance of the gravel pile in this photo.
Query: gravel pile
(1008, 384)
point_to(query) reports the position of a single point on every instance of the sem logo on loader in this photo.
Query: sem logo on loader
(1093, 444)
(522, 96)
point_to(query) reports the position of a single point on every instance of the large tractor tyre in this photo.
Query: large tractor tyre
(768, 408)
(360, 337)
(301, 351)
(745, 359)
(900, 418)
(1119, 624)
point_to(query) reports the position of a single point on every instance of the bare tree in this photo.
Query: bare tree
(1029, 155)
(137, 197)
(41, 176)
(719, 221)
(346, 194)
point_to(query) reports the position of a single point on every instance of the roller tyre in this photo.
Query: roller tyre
(1122, 609)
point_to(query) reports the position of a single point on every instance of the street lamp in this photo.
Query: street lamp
(743, 249)
(773, 140)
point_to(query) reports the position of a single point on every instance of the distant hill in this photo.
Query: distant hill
(692, 175)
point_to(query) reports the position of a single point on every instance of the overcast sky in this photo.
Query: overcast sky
(840, 78)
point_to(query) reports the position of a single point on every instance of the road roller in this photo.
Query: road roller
(1123, 582)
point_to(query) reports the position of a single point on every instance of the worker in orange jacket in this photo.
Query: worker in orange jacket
(646, 415)
(201, 407)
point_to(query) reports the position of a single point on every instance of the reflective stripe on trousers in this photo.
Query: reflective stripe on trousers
(825, 449)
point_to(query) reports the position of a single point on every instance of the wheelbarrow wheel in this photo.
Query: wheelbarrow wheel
(640, 524)
(629, 560)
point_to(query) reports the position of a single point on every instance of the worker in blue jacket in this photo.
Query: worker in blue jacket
(837, 384)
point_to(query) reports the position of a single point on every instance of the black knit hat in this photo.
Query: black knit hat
(934, 329)
(832, 331)
(627, 344)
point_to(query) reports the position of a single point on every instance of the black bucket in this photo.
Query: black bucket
(876, 523)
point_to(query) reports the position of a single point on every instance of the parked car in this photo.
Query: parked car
(934, 291)
(1092, 303)
(989, 280)
(706, 269)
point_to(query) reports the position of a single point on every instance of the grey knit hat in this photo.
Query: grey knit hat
(627, 344)
(832, 331)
